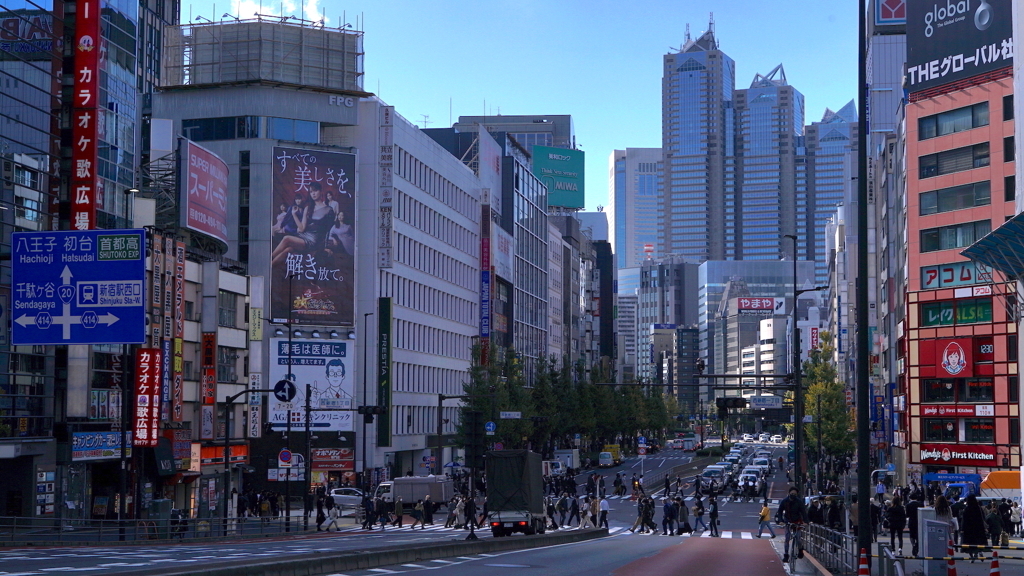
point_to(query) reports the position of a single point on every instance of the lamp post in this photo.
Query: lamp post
(228, 404)
(439, 463)
(366, 363)
(126, 414)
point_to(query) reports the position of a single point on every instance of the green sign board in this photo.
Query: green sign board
(384, 370)
(561, 170)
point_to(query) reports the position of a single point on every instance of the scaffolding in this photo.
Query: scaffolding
(281, 50)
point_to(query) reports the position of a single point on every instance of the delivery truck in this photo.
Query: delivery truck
(515, 493)
(1002, 484)
(412, 488)
(569, 458)
(616, 455)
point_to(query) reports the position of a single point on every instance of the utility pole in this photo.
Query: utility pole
(438, 464)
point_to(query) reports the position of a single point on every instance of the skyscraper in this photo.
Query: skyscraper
(635, 204)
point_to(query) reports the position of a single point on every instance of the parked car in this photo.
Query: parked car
(347, 497)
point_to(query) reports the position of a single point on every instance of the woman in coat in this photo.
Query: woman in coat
(972, 526)
(897, 516)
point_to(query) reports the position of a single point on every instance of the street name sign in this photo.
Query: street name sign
(765, 401)
(78, 287)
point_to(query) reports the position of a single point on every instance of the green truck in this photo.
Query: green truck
(515, 492)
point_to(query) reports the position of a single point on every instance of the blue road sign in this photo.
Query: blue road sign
(78, 287)
(490, 427)
(641, 440)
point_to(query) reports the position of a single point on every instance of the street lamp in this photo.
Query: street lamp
(798, 391)
(228, 402)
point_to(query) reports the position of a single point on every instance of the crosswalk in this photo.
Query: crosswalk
(733, 534)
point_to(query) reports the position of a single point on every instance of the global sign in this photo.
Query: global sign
(78, 287)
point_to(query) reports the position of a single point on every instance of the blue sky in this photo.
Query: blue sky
(598, 60)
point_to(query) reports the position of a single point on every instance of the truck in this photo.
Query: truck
(570, 458)
(691, 443)
(412, 488)
(553, 468)
(615, 452)
(954, 486)
(1002, 484)
(515, 493)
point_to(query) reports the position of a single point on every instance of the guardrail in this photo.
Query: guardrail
(20, 531)
(835, 551)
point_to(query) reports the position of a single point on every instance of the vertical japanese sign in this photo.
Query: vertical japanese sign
(312, 269)
(177, 366)
(147, 396)
(385, 164)
(156, 293)
(254, 423)
(384, 371)
(84, 127)
(204, 195)
(208, 386)
(485, 283)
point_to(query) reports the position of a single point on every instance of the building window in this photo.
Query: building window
(938, 429)
(225, 128)
(1009, 188)
(939, 390)
(953, 121)
(1008, 149)
(1012, 386)
(227, 311)
(956, 198)
(957, 160)
(979, 430)
(1015, 431)
(955, 236)
(294, 130)
(977, 390)
(950, 312)
(226, 362)
(1008, 107)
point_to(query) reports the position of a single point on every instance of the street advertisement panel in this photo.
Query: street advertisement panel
(312, 264)
(384, 341)
(561, 169)
(327, 368)
(85, 117)
(958, 454)
(951, 40)
(148, 368)
(333, 459)
(98, 446)
(489, 168)
(204, 191)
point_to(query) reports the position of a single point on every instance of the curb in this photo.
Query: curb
(328, 562)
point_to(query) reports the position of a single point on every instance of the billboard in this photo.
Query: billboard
(313, 228)
(204, 191)
(326, 367)
(561, 169)
(147, 396)
(85, 132)
(950, 40)
(760, 305)
(890, 13)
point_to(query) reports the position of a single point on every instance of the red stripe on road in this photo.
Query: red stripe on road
(710, 557)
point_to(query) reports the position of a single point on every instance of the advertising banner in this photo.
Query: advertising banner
(951, 40)
(955, 274)
(85, 125)
(949, 358)
(312, 264)
(333, 459)
(384, 370)
(759, 305)
(98, 446)
(327, 368)
(204, 191)
(561, 169)
(148, 367)
(959, 411)
(958, 454)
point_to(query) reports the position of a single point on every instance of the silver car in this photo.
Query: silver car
(347, 497)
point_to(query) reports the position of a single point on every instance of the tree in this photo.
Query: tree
(826, 400)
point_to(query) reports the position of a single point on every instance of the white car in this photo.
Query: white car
(347, 497)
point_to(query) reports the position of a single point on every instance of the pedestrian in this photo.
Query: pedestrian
(367, 506)
(594, 511)
(639, 522)
(549, 508)
(897, 516)
(994, 523)
(563, 508)
(943, 513)
(399, 511)
(668, 516)
(683, 518)
(854, 511)
(332, 520)
(381, 511)
(1015, 520)
(617, 484)
(912, 507)
(308, 502)
(417, 516)
(696, 488)
(764, 520)
(713, 515)
(242, 507)
(470, 510)
(880, 491)
(698, 514)
(574, 509)
(428, 510)
(604, 508)
(972, 527)
(601, 487)
(668, 486)
(321, 516)
(586, 521)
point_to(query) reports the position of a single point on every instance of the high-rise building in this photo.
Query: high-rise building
(666, 297)
(634, 193)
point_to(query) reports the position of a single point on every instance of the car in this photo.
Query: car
(347, 497)
(777, 439)
(748, 438)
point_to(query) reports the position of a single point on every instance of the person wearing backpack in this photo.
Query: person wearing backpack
(563, 508)
(698, 514)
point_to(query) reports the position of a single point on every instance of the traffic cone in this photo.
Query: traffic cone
(994, 570)
(950, 563)
(863, 569)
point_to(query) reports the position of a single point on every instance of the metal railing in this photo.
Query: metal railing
(834, 550)
(20, 530)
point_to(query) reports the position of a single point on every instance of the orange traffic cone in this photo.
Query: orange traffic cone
(950, 563)
(994, 570)
(863, 569)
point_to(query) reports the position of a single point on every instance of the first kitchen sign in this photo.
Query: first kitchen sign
(958, 454)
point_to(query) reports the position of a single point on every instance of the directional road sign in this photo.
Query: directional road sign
(79, 287)
(490, 426)
(284, 390)
(641, 440)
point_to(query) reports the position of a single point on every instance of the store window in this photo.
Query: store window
(938, 429)
(937, 390)
(976, 390)
(979, 430)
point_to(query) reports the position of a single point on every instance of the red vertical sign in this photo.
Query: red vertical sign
(148, 362)
(84, 129)
(209, 365)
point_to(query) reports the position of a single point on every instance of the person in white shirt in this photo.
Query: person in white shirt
(604, 513)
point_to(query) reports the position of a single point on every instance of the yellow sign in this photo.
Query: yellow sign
(255, 324)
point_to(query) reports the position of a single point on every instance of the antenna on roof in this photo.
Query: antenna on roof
(687, 31)
(711, 23)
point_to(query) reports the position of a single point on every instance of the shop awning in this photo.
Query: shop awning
(186, 477)
(1002, 248)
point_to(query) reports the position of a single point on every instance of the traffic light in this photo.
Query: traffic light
(699, 366)
(369, 411)
(727, 403)
(473, 428)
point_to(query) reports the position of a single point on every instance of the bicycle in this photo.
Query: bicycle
(794, 543)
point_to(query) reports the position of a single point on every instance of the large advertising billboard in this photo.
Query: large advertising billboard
(312, 264)
(561, 169)
(204, 191)
(950, 40)
(327, 368)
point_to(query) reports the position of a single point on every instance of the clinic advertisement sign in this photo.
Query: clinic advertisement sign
(324, 365)
(561, 170)
(204, 191)
(951, 40)
(313, 229)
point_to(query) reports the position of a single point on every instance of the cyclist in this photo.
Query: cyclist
(793, 514)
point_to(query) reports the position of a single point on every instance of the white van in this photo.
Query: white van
(605, 460)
